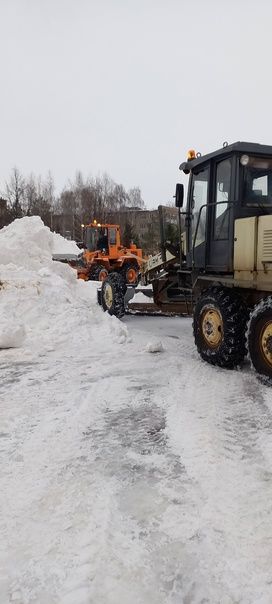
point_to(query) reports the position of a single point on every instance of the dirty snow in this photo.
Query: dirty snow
(126, 477)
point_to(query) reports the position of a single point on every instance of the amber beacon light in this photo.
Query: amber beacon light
(191, 154)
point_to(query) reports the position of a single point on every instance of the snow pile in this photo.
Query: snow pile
(43, 299)
(141, 298)
(12, 331)
(64, 246)
(154, 346)
(27, 243)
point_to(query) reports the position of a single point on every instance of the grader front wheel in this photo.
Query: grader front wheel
(260, 338)
(212, 327)
(219, 327)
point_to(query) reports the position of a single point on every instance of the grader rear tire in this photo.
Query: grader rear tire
(113, 295)
(220, 319)
(260, 338)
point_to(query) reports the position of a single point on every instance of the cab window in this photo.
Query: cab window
(257, 181)
(199, 199)
(223, 182)
(112, 236)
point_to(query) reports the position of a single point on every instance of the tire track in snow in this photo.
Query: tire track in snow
(217, 429)
(151, 498)
(148, 482)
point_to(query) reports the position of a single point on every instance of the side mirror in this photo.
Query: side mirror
(179, 195)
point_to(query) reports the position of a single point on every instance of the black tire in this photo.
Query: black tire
(127, 266)
(220, 319)
(260, 338)
(113, 295)
(95, 272)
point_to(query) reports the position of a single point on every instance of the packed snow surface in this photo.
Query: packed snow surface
(126, 477)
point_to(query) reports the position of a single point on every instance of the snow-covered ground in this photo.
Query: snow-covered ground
(140, 298)
(127, 476)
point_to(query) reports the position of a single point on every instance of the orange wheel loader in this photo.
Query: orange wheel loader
(104, 252)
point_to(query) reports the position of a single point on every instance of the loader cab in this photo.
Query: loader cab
(103, 238)
(233, 182)
(95, 237)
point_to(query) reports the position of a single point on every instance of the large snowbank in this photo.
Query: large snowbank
(42, 299)
(64, 246)
(27, 243)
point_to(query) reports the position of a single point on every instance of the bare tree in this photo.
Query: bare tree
(39, 198)
(30, 195)
(15, 192)
(135, 198)
(48, 196)
(81, 201)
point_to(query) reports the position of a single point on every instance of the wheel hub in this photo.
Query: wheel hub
(102, 275)
(212, 327)
(108, 295)
(131, 275)
(266, 342)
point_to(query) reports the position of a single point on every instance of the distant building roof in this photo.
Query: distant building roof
(132, 209)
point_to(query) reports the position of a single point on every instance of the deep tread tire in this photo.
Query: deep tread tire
(95, 271)
(126, 267)
(113, 295)
(231, 349)
(260, 317)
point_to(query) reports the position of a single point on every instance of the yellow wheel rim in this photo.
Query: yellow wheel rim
(108, 296)
(266, 342)
(212, 327)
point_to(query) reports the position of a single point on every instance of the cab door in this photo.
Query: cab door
(113, 242)
(220, 217)
(197, 217)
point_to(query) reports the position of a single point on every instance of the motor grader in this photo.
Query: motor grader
(103, 253)
(222, 273)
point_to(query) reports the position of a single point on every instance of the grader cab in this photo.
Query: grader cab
(222, 272)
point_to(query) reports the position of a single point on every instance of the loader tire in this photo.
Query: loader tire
(130, 272)
(220, 319)
(113, 295)
(260, 338)
(98, 273)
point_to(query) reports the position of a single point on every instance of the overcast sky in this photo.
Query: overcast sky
(127, 87)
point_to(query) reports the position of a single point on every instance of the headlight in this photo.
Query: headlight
(244, 160)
